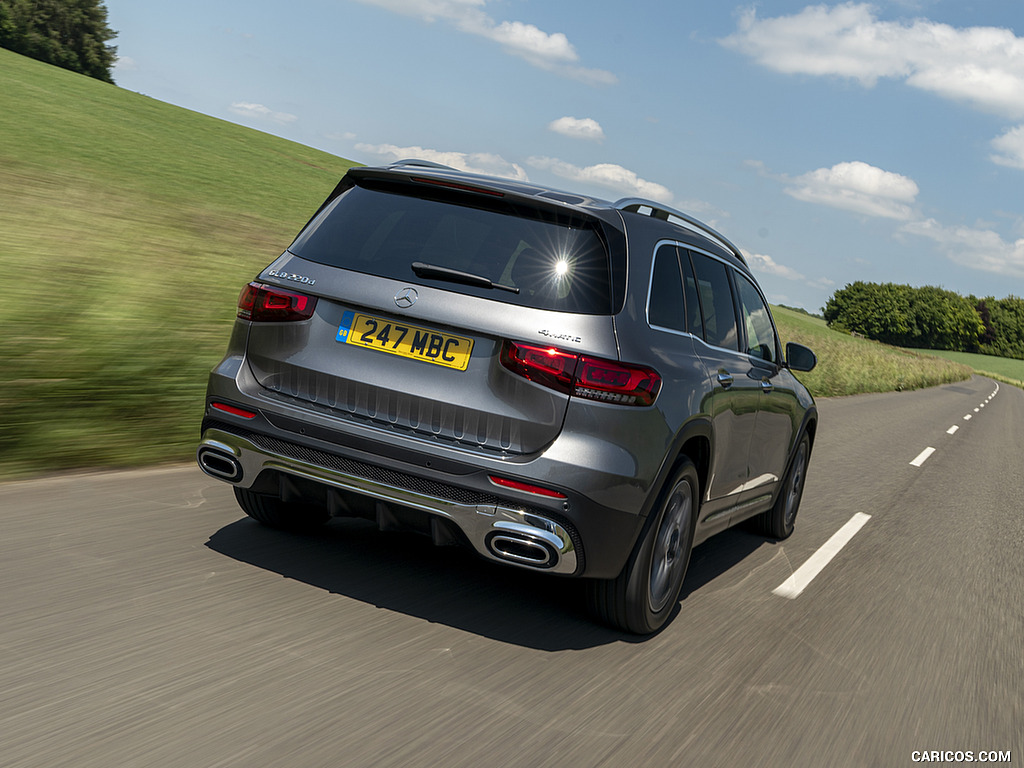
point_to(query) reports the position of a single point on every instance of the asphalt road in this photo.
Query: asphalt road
(144, 621)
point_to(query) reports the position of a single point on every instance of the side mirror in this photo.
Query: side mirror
(800, 358)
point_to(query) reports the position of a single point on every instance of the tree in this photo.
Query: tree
(923, 318)
(943, 320)
(1007, 318)
(72, 34)
(988, 336)
(880, 312)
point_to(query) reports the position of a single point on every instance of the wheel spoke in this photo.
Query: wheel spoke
(671, 546)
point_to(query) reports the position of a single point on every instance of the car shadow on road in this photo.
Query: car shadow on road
(405, 573)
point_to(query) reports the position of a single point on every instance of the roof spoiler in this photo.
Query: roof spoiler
(416, 163)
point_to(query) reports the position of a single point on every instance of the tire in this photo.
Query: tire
(644, 596)
(778, 521)
(275, 513)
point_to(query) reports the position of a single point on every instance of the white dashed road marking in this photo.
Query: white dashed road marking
(802, 576)
(793, 586)
(922, 457)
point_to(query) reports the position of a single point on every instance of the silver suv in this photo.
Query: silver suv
(561, 383)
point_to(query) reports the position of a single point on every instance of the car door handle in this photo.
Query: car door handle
(766, 386)
(725, 379)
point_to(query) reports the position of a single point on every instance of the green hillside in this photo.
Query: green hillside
(129, 227)
(848, 365)
(1009, 370)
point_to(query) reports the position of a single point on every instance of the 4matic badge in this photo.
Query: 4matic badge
(561, 336)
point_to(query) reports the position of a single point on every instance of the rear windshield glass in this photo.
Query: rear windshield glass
(556, 263)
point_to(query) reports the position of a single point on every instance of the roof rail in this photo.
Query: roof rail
(663, 212)
(420, 164)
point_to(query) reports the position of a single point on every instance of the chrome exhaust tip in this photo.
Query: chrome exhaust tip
(219, 464)
(522, 550)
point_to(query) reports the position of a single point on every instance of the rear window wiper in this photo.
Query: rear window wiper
(455, 276)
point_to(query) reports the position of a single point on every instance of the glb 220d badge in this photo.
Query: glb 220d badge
(292, 276)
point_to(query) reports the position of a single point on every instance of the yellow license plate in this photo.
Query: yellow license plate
(406, 340)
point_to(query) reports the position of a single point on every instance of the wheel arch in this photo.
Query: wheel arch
(808, 427)
(694, 442)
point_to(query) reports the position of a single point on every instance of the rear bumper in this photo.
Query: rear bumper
(596, 525)
(496, 529)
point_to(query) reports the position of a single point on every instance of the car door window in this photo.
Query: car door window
(757, 321)
(718, 311)
(665, 302)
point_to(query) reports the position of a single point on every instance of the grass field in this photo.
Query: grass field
(999, 368)
(850, 366)
(129, 227)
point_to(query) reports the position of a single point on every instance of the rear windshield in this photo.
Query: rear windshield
(556, 262)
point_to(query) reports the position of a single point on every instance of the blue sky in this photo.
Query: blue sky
(832, 143)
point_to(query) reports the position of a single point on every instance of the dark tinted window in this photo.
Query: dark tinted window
(719, 311)
(557, 263)
(756, 320)
(665, 306)
(694, 322)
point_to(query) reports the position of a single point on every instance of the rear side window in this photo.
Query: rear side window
(717, 306)
(556, 263)
(665, 306)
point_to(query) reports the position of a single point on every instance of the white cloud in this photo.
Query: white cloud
(761, 263)
(765, 265)
(260, 112)
(606, 175)
(125, 64)
(858, 187)
(973, 247)
(1010, 147)
(475, 162)
(983, 66)
(549, 51)
(574, 128)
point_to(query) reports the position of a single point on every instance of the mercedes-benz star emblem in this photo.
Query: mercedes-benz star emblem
(406, 297)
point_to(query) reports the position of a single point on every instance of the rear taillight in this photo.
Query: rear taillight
(550, 367)
(590, 378)
(267, 304)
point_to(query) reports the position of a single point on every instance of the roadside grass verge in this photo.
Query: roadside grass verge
(849, 366)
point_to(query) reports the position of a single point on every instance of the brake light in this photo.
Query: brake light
(590, 378)
(612, 382)
(266, 304)
(547, 366)
(460, 187)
